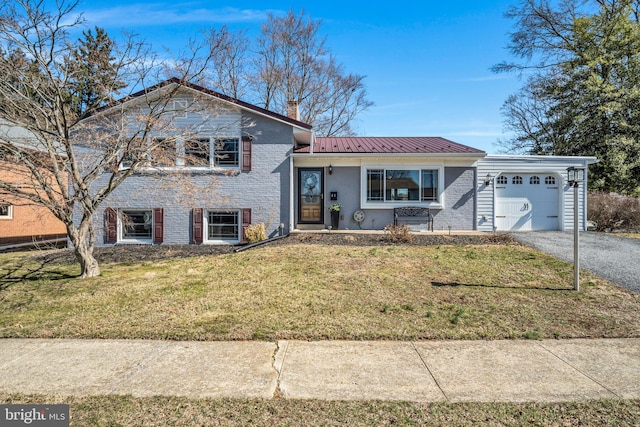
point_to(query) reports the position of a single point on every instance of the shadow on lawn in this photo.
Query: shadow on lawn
(30, 271)
(477, 285)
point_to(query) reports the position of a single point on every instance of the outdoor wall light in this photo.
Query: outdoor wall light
(487, 179)
(575, 175)
(330, 170)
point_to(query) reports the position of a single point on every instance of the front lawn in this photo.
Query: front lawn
(315, 291)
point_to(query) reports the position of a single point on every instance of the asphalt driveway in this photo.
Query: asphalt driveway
(615, 258)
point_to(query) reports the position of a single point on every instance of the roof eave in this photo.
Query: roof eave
(588, 159)
(332, 155)
(254, 109)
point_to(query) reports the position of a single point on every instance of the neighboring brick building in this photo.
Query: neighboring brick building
(21, 222)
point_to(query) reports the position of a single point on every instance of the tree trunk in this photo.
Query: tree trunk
(82, 240)
(88, 264)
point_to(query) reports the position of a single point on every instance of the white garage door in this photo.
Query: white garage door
(527, 202)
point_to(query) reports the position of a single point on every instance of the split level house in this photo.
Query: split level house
(258, 166)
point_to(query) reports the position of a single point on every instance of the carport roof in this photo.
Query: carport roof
(388, 145)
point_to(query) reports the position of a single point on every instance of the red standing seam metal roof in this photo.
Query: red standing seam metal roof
(388, 145)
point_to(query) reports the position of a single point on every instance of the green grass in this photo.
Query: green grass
(97, 411)
(306, 291)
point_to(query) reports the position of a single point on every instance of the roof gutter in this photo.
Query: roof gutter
(343, 155)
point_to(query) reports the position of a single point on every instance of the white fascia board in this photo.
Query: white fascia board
(466, 158)
(540, 158)
(319, 160)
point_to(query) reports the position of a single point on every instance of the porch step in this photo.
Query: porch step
(312, 227)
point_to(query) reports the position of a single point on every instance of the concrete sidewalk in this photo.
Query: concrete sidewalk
(425, 371)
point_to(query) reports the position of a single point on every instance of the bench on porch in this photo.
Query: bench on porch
(413, 216)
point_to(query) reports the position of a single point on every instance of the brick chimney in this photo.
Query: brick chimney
(293, 110)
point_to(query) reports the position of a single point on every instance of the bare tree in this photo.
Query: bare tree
(70, 163)
(290, 63)
(229, 61)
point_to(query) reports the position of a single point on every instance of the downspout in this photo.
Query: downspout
(584, 196)
(291, 195)
(312, 140)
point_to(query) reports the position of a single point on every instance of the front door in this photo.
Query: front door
(310, 196)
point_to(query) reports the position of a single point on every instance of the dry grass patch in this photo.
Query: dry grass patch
(319, 292)
(628, 235)
(174, 411)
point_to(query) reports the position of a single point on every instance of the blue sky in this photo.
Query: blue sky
(427, 62)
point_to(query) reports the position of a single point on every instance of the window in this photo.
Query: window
(534, 180)
(211, 152)
(226, 152)
(223, 225)
(402, 185)
(429, 185)
(375, 185)
(196, 152)
(163, 153)
(516, 180)
(550, 180)
(136, 225)
(394, 185)
(6, 212)
(502, 180)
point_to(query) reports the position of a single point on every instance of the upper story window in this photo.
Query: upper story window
(212, 152)
(197, 152)
(164, 153)
(400, 185)
(6, 212)
(226, 152)
(203, 152)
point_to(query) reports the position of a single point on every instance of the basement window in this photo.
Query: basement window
(6, 212)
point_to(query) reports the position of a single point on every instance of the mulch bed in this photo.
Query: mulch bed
(137, 253)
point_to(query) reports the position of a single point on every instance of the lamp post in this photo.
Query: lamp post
(575, 175)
